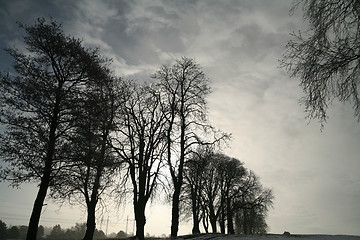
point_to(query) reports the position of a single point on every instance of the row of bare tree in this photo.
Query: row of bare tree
(78, 130)
(219, 189)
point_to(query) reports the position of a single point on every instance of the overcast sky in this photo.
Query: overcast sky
(315, 175)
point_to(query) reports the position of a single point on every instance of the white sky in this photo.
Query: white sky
(314, 175)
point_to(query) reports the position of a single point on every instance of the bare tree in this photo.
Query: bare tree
(184, 88)
(194, 177)
(234, 173)
(326, 57)
(141, 144)
(220, 190)
(251, 204)
(215, 188)
(92, 161)
(36, 102)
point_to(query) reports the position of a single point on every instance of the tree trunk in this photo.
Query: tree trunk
(179, 181)
(36, 212)
(213, 224)
(212, 220)
(222, 219)
(196, 222)
(205, 219)
(230, 220)
(175, 211)
(196, 227)
(195, 210)
(45, 179)
(140, 220)
(206, 224)
(90, 222)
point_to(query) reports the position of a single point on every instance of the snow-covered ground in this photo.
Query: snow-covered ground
(269, 237)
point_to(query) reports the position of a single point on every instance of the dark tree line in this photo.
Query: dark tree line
(75, 128)
(17, 232)
(55, 233)
(220, 190)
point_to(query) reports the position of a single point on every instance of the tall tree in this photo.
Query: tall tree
(142, 146)
(184, 89)
(326, 57)
(35, 107)
(90, 153)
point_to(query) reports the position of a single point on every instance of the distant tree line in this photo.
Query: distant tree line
(17, 232)
(55, 233)
(79, 131)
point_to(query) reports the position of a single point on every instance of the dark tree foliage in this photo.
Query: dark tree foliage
(13, 233)
(57, 232)
(141, 145)
(92, 161)
(3, 230)
(23, 230)
(121, 234)
(74, 233)
(40, 232)
(326, 57)
(36, 103)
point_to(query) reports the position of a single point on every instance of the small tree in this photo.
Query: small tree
(326, 57)
(121, 234)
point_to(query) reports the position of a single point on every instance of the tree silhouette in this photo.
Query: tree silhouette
(13, 233)
(3, 230)
(90, 153)
(251, 203)
(326, 57)
(219, 189)
(194, 177)
(40, 232)
(36, 103)
(141, 145)
(184, 88)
